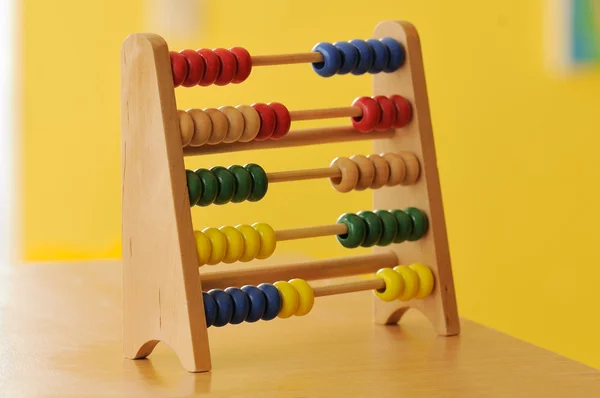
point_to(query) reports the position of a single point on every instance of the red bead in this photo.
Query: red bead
(196, 67)
(213, 66)
(371, 114)
(268, 120)
(244, 64)
(179, 67)
(388, 113)
(228, 66)
(283, 120)
(404, 111)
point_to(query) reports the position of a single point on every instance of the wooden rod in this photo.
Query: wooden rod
(310, 270)
(349, 287)
(286, 59)
(311, 232)
(327, 113)
(297, 175)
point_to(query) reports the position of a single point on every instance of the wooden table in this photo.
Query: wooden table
(60, 331)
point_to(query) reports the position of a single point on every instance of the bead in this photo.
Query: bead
(357, 230)
(419, 221)
(405, 225)
(268, 121)
(244, 64)
(218, 245)
(332, 60)
(235, 244)
(213, 66)
(196, 66)
(203, 247)
(241, 305)
(186, 127)
(273, 301)
(202, 127)
(258, 303)
(235, 124)
(228, 66)
(179, 68)
(210, 185)
(283, 120)
(403, 111)
(226, 185)
(388, 113)
(370, 114)
(219, 126)
(366, 57)
(397, 169)
(397, 54)
(210, 308)
(390, 227)
(306, 296)
(289, 299)
(251, 242)
(382, 171)
(394, 284)
(194, 187)
(374, 228)
(411, 282)
(251, 122)
(366, 172)
(381, 58)
(260, 182)
(243, 183)
(268, 242)
(426, 280)
(224, 307)
(413, 168)
(349, 55)
(349, 178)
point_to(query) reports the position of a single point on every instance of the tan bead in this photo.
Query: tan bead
(220, 126)
(349, 178)
(186, 127)
(366, 172)
(397, 169)
(202, 127)
(251, 122)
(382, 171)
(413, 168)
(235, 119)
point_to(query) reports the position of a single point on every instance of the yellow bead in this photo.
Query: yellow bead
(411, 282)
(394, 285)
(203, 247)
(289, 299)
(218, 243)
(306, 295)
(426, 280)
(251, 242)
(267, 240)
(235, 244)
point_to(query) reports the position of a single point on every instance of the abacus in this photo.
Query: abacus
(169, 292)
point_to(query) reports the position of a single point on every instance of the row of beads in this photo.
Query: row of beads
(405, 282)
(359, 57)
(221, 185)
(374, 171)
(250, 304)
(382, 113)
(382, 227)
(205, 67)
(244, 123)
(228, 244)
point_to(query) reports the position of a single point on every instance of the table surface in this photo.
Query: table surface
(60, 329)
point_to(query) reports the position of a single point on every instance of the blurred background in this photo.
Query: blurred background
(514, 89)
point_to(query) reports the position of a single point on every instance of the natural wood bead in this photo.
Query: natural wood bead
(251, 122)
(413, 168)
(349, 178)
(366, 172)
(235, 119)
(202, 127)
(186, 127)
(397, 169)
(219, 126)
(382, 171)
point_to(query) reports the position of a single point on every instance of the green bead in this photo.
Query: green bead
(243, 183)
(357, 230)
(420, 223)
(390, 227)
(260, 182)
(210, 185)
(374, 227)
(226, 184)
(405, 225)
(194, 186)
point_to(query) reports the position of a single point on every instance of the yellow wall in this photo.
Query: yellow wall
(517, 148)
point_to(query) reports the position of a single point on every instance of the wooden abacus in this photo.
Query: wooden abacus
(163, 298)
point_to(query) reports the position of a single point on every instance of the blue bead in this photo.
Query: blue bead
(349, 55)
(382, 56)
(258, 303)
(241, 305)
(273, 301)
(397, 54)
(210, 308)
(365, 57)
(224, 307)
(332, 60)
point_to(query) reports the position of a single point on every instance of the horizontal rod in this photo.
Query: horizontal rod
(349, 287)
(286, 59)
(311, 232)
(297, 175)
(327, 113)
